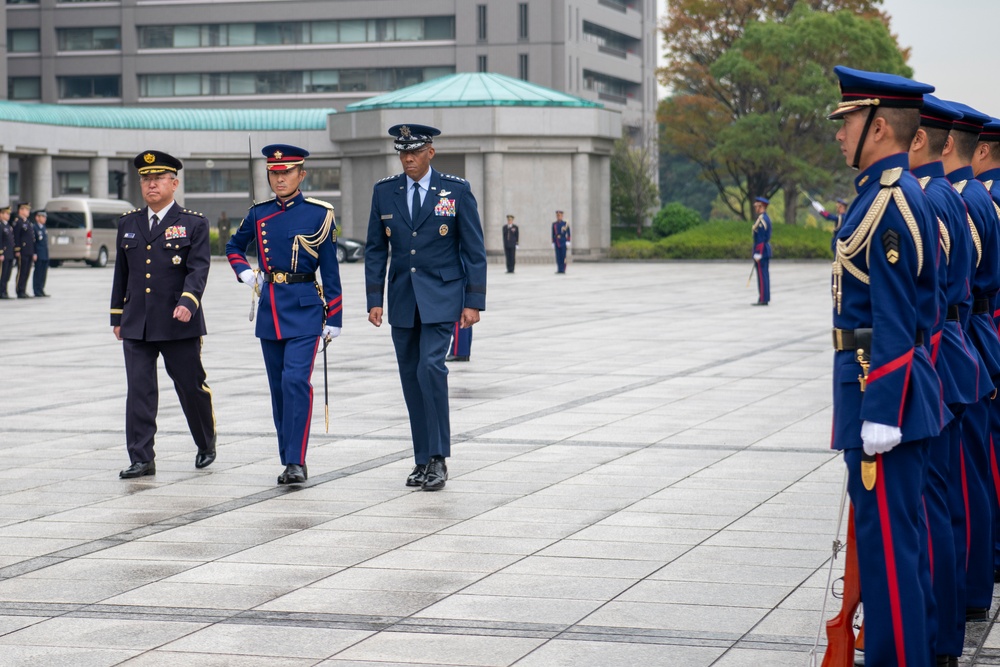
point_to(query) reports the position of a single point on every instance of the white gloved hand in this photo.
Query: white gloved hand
(569, 243)
(330, 332)
(879, 438)
(248, 277)
(757, 256)
(819, 207)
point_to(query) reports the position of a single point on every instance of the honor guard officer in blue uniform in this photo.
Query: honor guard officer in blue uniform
(762, 250)
(886, 395)
(963, 375)
(24, 247)
(42, 252)
(296, 239)
(437, 277)
(957, 159)
(6, 250)
(160, 275)
(562, 239)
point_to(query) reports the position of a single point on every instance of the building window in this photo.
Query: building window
(355, 31)
(481, 23)
(24, 88)
(522, 21)
(522, 66)
(89, 39)
(22, 2)
(321, 179)
(23, 41)
(609, 41)
(82, 87)
(481, 61)
(217, 180)
(74, 183)
(610, 88)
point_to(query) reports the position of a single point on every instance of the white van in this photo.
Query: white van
(83, 229)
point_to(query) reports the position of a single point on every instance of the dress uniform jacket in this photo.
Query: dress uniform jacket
(7, 246)
(24, 237)
(295, 236)
(438, 259)
(157, 270)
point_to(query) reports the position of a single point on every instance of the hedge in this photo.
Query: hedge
(723, 239)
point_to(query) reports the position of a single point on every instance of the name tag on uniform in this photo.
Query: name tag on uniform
(387, 216)
(129, 235)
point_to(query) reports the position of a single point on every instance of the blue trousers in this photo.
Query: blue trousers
(943, 500)
(763, 280)
(461, 341)
(289, 365)
(979, 537)
(561, 258)
(420, 353)
(39, 276)
(891, 532)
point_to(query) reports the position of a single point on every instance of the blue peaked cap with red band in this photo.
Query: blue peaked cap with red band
(991, 130)
(972, 121)
(860, 90)
(282, 157)
(938, 113)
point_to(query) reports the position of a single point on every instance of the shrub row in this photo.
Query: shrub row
(727, 240)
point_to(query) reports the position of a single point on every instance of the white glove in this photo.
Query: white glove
(879, 438)
(569, 243)
(757, 256)
(330, 332)
(248, 277)
(819, 207)
(553, 245)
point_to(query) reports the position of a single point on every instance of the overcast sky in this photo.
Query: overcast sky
(959, 56)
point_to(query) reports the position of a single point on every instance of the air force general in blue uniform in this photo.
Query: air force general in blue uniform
(296, 239)
(887, 402)
(437, 277)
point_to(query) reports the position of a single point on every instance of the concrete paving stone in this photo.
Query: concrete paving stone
(679, 617)
(684, 569)
(317, 537)
(473, 544)
(101, 569)
(533, 514)
(99, 633)
(792, 541)
(237, 640)
(760, 524)
(643, 535)
(59, 656)
(290, 554)
(584, 567)
(76, 530)
(567, 502)
(418, 505)
(705, 593)
(562, 653)
(10, 624)
(164, 658)
(671, 520)
(453, 561)
(429, 649)
(489, 528)
(774, 556)
(548, 586)
(737, 657)
(418, 581)
(184, 551)
(703, 505)
(271, 574)
(658, 553)
(198, 595)
(353, 601)
(197, 533)
(464, 484)
(793, 623)
(510, 609)
(386, 524)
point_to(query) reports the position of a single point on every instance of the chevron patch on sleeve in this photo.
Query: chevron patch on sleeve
(890, 243)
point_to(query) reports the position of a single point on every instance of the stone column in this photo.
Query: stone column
(493, 196)
(5, 178)
(179, 193)
(41, 180)
(99, 177)
(580, 217)
(477, 179)
(601, 238)
(345, 214)
(261, 190)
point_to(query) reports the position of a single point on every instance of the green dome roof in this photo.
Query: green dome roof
(148, 118)
(472, 90)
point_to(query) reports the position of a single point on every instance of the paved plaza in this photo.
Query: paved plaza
(641, 475)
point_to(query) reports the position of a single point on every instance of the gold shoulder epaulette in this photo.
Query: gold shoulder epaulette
(890, 177)
(135, 210)
(319, 202)
(266, 201)
(190, 212)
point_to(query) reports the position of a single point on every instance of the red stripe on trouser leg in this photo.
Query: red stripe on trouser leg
(305, 435)
(890, 565)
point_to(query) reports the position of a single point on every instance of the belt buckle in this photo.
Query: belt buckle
(279, 277)
(838, 339)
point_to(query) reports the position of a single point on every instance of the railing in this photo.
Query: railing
(614, 4)
(610, 50)
(611, 97)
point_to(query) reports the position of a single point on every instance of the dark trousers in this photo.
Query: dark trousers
(561, 258)
(946, 522)
(420, 353)
(979, 538)
(763, 280)
(6, 267)
(289, 364)
(182, 359)
(39, 276)
(508, 253)
(23, 269)
(461, 341)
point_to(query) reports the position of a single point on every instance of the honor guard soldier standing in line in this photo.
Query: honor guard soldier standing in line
(41, 253)
(24, 247)
(510, 240)
(762, 250)
(296, 238)
(562, 239)
(6, 250)
(160, 275)
(986, 166)
(957, 159)
(437, 277)
(886, 395)
(963, 375)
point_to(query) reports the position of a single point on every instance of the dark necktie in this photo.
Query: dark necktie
(415, 207)
(153, 219)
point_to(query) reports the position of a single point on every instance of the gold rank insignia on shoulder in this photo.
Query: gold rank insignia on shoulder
(176, 259)
(443, 230)
(890, 242)
(388, 232)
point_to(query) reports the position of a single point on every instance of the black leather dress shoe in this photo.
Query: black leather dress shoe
(759, 303)
(417, 476)
(460, 357)
(945, 661)
(204, 459)
(23, 296)
(977, 614)
(437, 474)
(294, 474)
(42, 294)
(4, 295)
(138, 469)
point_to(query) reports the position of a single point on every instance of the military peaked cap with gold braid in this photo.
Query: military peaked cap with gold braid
(938, 113)
(860, 89)
(156, 162)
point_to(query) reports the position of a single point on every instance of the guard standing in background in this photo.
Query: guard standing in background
(886, 394)
(6, 250)
(24, 247)
(762, 250)
(562, 239)
(296, 238)
(41, 253)
(437, 277)
(510, 240)
(160, 275)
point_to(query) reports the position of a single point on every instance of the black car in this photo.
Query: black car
(349, 250)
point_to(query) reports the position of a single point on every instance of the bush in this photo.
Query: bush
(674, 218)
(723, 239)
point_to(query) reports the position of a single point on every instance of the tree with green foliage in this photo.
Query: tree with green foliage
(674, 218)
(755, 83)
(633, 190)
(681, 181)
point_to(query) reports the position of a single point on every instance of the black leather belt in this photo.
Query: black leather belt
(953, 314)
(980, 306)
(852, 339)
(280, 277)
